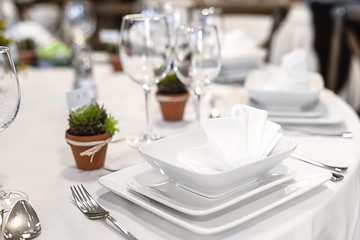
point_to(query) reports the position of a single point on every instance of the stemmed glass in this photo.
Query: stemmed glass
(79, 21)
(145, 54)
(9, 107)
(197, 60)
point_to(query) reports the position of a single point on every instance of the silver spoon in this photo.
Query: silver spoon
(23, 222)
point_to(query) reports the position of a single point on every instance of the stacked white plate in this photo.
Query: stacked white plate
(149, 189)
(147, 186)
(306, 110)
(234, 69)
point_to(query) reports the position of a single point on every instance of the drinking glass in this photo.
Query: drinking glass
(79, 21)
(209, 16)
(9, 107)
(145, 55)
(197, 60)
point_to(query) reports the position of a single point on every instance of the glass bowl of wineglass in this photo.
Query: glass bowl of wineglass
(197, 59)
(9, 107)
(145, 51)
(79, 21)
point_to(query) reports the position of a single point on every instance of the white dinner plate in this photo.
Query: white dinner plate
(332, 114)
(308, 177)
(160, 188)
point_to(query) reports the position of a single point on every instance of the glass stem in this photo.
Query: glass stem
(147, 91)
(198, 93)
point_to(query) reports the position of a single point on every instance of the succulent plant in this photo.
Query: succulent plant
(171, 85)
(113, 48)
(26, 44)
(91, 120)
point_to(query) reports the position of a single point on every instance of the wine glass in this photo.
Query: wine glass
(9, 107)
(79, 22)
(145, 54)
(209, 16)
(197, 60)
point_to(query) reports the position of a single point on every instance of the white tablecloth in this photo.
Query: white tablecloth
(36, 159)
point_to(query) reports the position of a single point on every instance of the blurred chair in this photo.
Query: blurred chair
(343, 16)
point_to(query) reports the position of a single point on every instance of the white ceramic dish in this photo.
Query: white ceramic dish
(315, 110)
(162, 155)
(252, 58)
(290, 99)
(332, 114)
(160, 188)
(308, 177)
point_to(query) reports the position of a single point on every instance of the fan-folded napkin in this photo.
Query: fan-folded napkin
(245, 137)
(293, 72)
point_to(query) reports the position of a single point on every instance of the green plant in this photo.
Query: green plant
(113, 48)
(91, 120)
(4, 41)
(171, 85)
(26, 44)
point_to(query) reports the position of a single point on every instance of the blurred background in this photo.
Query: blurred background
(328, 30)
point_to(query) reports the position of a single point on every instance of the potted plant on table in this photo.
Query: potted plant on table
(114, 58)
(26, 49)
(90, 131)
(172, 96)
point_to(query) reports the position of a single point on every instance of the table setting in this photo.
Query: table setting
(280, 161)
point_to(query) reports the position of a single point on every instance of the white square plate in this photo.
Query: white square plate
(160, 188)
(308, 177)
(332, 114)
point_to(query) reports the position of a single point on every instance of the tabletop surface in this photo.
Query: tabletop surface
(37, 160)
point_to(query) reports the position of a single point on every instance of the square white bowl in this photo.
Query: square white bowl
(162, 155)
(282, 98)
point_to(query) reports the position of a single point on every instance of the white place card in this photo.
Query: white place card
(80, 97)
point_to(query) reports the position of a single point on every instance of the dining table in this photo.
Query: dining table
(36, 159)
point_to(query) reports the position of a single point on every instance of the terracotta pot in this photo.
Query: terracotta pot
(115, 61)
(84, 162)
(172, 105)
(27, 57)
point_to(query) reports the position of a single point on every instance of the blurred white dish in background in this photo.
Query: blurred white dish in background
(46, 14)
(289, 86)
(240, 51)
(163, 155)
(30, 29)
(282, 98)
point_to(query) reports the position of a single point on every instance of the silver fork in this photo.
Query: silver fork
(92, 210)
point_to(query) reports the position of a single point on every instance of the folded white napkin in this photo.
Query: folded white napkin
(236, 43)
(293, 72)
(234, 141)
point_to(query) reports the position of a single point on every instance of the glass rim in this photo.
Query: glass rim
(140, 16)
(196, 27)
(4, 49)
